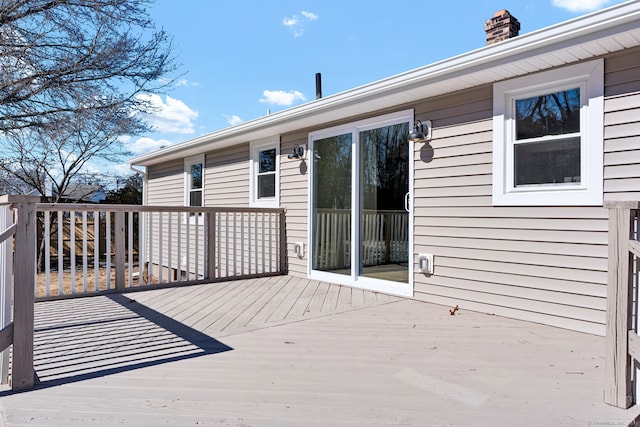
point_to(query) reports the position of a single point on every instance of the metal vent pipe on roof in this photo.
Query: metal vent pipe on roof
(318, 85)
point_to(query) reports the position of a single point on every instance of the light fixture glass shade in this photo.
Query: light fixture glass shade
(416, 136)
(418, 132)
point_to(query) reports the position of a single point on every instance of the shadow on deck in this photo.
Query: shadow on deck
(93, 337)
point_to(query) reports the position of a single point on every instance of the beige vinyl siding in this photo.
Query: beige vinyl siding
(541, 264)
(622, 127)
(294, 197)
(165, 184)
(227, 173)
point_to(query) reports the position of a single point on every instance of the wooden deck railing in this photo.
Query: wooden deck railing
(622, 340)
(100, 248)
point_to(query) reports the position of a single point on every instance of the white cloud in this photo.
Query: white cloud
(178, 83)
(145, 145)
(121, 169)
(170, 116)
(309, 15)
(186, 83)
(580, 5)
(296, 22)
(232, 120)
(280, 97)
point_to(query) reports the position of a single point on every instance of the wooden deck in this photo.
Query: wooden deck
(286, 351)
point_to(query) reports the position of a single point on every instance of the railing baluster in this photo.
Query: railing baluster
(188, 249)
(263, 256)
(197, 247)
(141, 247)
(150, 268)
(219, 241)
(160, 246)
(47, 254)
(235, 246)
(211, 245)
(107, 249)
(226, 242)
(72, 250)
(130, 247)
(181, 220)
(84, 251)
(60, 252)
(120, 249)
(96, 249)
(170, 268)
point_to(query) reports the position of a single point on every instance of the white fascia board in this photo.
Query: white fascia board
(421, 82)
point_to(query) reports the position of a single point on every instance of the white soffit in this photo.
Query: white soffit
(596, 34)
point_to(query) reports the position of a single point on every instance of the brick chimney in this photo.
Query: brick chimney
(502, 26)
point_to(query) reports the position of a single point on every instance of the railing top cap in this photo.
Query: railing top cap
(622, 204)
(18, 198)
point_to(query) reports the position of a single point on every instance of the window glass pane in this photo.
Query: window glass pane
(552, 114)
(195, 198)
(549, 162)
(332, 204)
(384, 189)
(267, 161)
(196, 176)
(266, 186)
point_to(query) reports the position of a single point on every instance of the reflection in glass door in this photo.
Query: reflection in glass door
(332, 204)
(384, 203)
(360, 203)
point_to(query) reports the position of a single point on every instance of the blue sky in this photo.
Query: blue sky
(241, 58)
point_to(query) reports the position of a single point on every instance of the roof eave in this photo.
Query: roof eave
(620, 19)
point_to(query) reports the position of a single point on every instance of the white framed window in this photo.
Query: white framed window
(194, 182)
(265, 172)
(548, 137)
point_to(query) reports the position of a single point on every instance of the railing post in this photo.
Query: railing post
(6, 267)
(120, 250)
(22, 374)
(618, 366)
(283, 242)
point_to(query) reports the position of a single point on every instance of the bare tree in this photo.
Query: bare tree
(71, 76)
(49, 158)
(61, 57)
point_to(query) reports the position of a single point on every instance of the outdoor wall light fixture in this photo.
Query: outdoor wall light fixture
(297, 152)
(421, 131)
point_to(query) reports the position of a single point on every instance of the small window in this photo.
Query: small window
(267, 173)
(548, 137)
(264, 172)
(194, 182)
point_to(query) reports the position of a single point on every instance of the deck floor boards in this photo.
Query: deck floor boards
(286, 351)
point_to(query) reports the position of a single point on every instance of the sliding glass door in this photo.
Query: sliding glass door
(360, 204)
